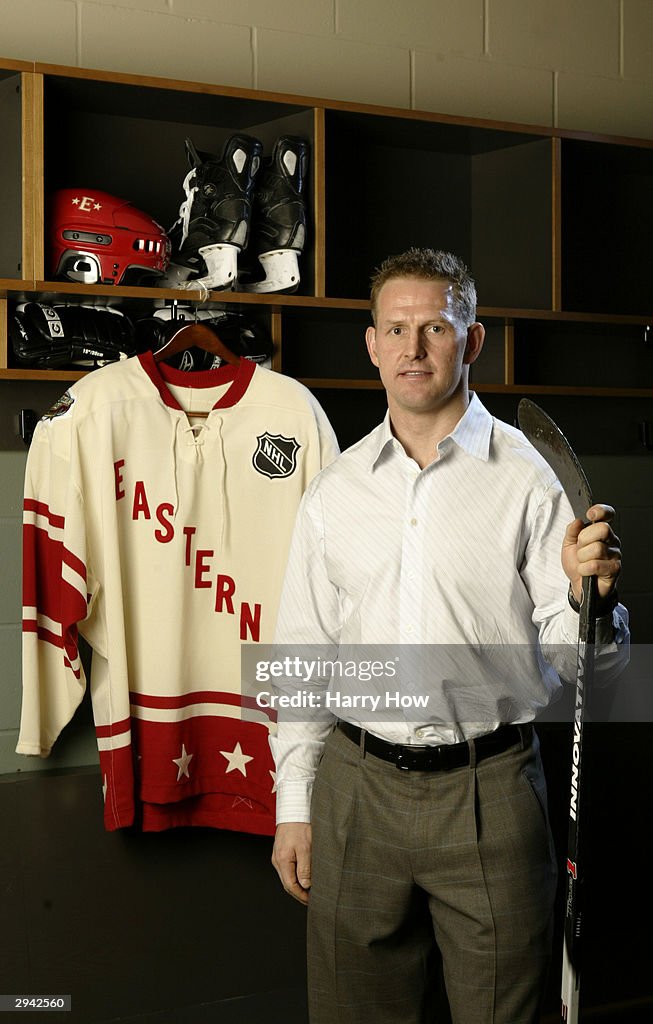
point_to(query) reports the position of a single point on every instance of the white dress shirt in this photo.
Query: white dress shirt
(462, 558)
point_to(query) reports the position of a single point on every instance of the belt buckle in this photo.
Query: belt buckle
(400, 760)
(408, 761)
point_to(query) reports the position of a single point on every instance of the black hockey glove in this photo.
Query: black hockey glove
(49, 337)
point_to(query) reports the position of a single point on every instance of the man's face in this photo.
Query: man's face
(419, 345)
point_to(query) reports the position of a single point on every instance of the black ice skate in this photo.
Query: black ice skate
(213, 224)
(279, 216)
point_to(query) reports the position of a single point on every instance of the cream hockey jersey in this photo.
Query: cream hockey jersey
(162, 540)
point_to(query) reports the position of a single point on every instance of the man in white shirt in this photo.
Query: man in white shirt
(442, 528)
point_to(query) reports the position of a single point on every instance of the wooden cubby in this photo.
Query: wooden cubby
(555, 225)
(483, 193)
(16, 175)
(607, 226)
(130, 142)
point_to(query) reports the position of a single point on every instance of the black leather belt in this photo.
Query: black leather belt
(442, 758)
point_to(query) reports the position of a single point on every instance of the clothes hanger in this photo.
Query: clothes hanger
(192, 334)
(197, 334)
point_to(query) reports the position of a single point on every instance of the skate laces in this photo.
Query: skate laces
(187, 205)
(184, 218)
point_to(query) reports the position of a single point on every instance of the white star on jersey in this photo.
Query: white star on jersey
(237, 760)
(182, 762)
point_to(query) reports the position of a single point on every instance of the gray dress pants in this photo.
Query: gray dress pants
(406, 860)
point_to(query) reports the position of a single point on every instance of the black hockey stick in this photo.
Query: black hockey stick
(549, 440)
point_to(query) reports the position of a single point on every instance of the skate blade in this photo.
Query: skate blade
(281, 268)
(176, 276)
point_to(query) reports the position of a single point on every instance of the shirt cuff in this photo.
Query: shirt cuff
(294, 801)
(606, 629)
(607, 626)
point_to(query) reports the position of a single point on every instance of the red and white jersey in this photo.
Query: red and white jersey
(163, 541)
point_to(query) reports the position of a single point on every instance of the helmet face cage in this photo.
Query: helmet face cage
(96, 238)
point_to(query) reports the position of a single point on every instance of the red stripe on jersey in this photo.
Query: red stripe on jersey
(41, 571)
(49, 637)
(146, 700)
(32, 626)
(42, 567)
(41, 509)
(251, 702)
(74, 563)
(45, 589)
(113, 730)
(77, 672)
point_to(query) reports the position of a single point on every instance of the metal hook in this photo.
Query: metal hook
(645, 435)
(27, 420)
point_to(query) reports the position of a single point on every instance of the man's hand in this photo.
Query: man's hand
(291, 857)
(592, 550)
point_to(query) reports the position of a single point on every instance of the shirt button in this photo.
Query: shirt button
(408, 630)
(413, 522)
(420, 732)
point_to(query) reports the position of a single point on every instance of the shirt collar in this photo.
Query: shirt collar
(472, 434)
(381, 439)
(473, 431)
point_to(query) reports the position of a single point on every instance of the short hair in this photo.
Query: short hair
(429, 265)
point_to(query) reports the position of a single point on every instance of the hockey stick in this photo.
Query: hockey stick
(549, 440)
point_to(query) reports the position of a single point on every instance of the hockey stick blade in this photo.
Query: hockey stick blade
(552, 444)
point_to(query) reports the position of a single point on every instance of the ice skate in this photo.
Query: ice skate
(279, 218)
(213, 223)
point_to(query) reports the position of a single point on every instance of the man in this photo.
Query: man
(443, 527)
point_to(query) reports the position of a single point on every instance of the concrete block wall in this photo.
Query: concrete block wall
(12, 468)
(576, 64)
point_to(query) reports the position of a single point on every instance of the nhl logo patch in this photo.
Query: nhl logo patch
(275, 455)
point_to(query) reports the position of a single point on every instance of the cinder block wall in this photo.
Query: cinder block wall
(12, 468)
(578, 64)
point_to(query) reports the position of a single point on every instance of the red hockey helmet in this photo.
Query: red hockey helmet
(97, 238)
